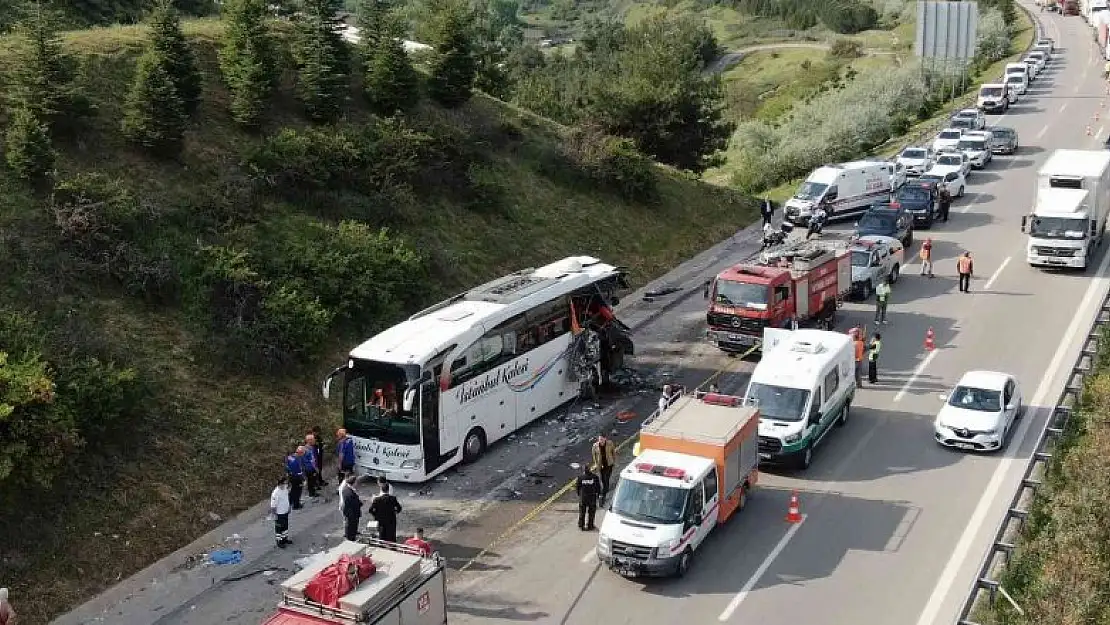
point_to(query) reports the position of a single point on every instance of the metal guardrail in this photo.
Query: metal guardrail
(988, 578)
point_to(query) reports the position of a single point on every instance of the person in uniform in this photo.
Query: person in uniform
(588, 486)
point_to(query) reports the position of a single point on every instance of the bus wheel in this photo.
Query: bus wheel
(474, 445)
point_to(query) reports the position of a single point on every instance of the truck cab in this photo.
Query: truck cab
(803, 386)
(800, 284)
(1069, 214)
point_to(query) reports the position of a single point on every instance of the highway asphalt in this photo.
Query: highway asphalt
(895, 526)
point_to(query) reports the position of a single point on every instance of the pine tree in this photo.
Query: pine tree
(154, 115)
(180, 64)
(27, 146)
(454, 66)
(392, 83)
(247, 60)
(322, 60)
(43, 72)
(373, 17)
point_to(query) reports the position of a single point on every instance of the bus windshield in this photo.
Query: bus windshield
(637, 501)
(780, 403)
(373, 406)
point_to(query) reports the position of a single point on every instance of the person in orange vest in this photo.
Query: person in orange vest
(965, 268)
(861, 349)
(927, 258)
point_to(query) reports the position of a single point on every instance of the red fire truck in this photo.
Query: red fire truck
(800, 284)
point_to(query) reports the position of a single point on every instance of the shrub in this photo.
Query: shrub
(42, 72)
(261, 324)
(93, 213)
(391, 82)
(612, 162)
(50, 410)
(28, 151)
(846, 49)
(831, 127)
(993, 38)
(374, 158)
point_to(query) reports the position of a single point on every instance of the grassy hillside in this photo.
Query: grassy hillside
(207, 436)
(1058, 572)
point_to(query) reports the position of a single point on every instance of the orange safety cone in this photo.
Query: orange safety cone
(794, 514)
(930, 340)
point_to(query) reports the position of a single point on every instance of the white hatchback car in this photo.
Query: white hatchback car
(947, 139)
(980, 413)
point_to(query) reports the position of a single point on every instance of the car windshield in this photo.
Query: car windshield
(962, 122)
(1015, 79)
(932, 178)
(777, 402)
(967, 114)
(1002, 133)
(951, 159)
(742, 294)
(1057, 228)
(874, 222)
(914, 154)
(973, 144)
(811, 190)
(950, 134)
(861, 259)
(649, 503)
(913, 194)
(979, 399)
(991, 92)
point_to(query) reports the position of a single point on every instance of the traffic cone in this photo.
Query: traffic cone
(930, 340)
(794, 514)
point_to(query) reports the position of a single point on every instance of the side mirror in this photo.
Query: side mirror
(408, 400)
(815, 417)
(698, 519)
(1011, 406)
(708, 286)
(1024, 222)
(327, 388)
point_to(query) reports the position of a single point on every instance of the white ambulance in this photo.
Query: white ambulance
(844, 190)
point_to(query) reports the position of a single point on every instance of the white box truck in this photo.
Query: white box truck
(844, 190)
(1069, 214)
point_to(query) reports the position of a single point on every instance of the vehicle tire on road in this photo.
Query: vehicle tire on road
(895, 273)
(961, 192)
(683, 563)
(868, 288)
(474, 445)
(806, 458)
(842, 420)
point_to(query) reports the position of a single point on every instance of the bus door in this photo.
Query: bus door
(433, 434)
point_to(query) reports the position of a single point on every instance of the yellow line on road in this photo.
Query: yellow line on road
(545, 504)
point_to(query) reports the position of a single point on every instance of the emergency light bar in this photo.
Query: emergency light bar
(654, 469)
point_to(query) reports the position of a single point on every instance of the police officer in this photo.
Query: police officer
(945, 199)
(873, 358)
(311, 468)
(588, 486)
(294, 468)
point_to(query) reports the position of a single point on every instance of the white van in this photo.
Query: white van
(1018, 84)
(1021, 69)
(844, 190)
(803, 385)
(993, 98)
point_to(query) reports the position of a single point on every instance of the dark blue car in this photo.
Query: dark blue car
(888, 220)
(921, 201)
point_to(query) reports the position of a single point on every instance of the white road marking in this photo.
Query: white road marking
(766, 564)
(997, 272)
(1063, 106)
(1099, 133)
(590, 555)
(916, 373)
(964, 546)
(1041, 132)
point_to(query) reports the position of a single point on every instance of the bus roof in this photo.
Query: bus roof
(439, 327)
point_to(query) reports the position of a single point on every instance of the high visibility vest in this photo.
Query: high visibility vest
(964, 264)
(876, 347)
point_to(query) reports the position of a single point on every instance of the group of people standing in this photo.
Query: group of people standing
(304, 467)
(593, 487)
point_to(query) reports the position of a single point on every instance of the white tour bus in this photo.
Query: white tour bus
(518, 347)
